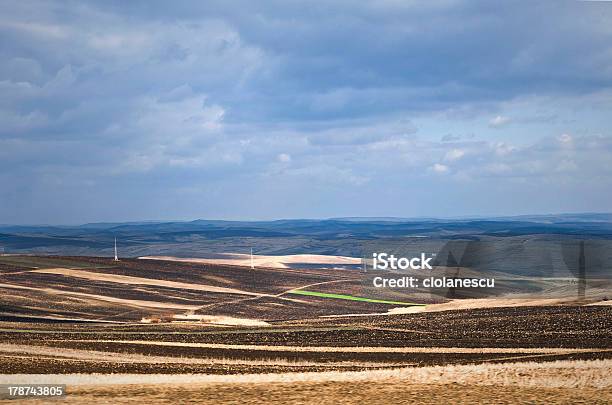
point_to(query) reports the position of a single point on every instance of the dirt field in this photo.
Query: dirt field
(191, 332)
(495, 335)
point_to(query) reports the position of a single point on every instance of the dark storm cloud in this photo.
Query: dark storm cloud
(392, 55)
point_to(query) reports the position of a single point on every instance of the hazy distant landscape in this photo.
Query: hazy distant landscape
(343, 237)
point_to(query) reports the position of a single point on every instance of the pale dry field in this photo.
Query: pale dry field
(608, 303)
(116, 278)
(466, 303)
(279, 262)
(391, 392)
(487, 303)
(344, 349)
(554, 374)
(554, 382)
(25, 351)
(105, 298)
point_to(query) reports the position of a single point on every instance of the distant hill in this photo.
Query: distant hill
(342, 236)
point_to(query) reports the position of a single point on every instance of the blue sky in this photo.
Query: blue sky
(135, 110)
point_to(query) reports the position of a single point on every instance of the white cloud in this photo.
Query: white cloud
(499, 121)
(503, 149)
(454, 154)
(566, 140)
(284, 158)
(39, 29)
(439, 168)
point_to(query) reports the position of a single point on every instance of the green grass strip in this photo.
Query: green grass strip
(351, 298)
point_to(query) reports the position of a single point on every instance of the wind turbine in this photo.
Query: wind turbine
(116, 257)
(252, 265)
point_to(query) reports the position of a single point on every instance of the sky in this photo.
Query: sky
(155, 110)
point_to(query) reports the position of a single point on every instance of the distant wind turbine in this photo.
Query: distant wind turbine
(116, 257)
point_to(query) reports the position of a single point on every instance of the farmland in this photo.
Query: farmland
(83, 315)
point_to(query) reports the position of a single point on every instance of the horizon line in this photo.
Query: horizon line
(346, 218)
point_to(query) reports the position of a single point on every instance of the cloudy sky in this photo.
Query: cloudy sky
(113, 111)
